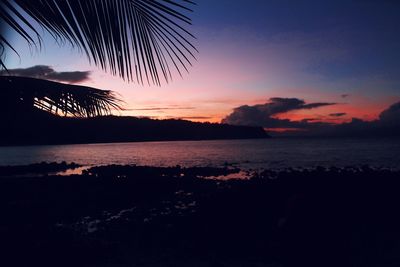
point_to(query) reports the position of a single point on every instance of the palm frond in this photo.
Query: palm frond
(138, 40)
(56, 98)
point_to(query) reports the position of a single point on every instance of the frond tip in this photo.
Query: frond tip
(56, 98)
(139, 40)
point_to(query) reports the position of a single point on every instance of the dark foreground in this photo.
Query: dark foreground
(146, 216)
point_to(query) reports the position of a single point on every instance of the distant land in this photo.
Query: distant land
(41, 128)
(23, 123)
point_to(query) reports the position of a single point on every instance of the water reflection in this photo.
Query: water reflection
(246, 154)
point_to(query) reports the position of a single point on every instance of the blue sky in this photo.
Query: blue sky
(366, 31)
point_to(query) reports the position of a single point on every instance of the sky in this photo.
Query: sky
(342, 54)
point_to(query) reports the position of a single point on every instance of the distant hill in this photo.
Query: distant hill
(23, 123)
(39, 127)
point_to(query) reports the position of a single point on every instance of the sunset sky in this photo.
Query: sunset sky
(342, 53)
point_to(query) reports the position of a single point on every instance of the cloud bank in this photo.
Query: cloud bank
(48, 73)
(388, 123)
(263, 115)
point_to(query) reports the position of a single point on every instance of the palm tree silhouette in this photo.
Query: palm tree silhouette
(142, 41)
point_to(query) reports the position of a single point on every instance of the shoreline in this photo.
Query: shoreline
(231, 170)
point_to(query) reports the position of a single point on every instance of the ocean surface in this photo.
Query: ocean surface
(274, 153)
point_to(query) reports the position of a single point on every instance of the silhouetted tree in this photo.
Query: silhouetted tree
(142, 41)
(25, 94)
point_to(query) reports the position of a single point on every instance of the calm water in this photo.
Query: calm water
(261, 153)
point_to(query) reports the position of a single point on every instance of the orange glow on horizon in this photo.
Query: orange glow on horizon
(367, 111)
(283, 130)
(197, 99)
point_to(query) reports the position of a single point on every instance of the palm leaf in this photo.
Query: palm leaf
(56, 98)
(139, 40)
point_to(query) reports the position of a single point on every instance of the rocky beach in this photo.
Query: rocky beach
(174, 216)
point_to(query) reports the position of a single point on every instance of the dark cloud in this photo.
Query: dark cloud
(48, 73)
(344, 95)
(339, 114)
(388, 123)
(278, 105)
(262, 115)
(316, 105)
(391, 115)
(71, 77)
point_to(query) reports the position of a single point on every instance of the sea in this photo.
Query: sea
(251, 154)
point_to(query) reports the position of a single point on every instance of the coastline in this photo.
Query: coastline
(172, 216)
(41, 128)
